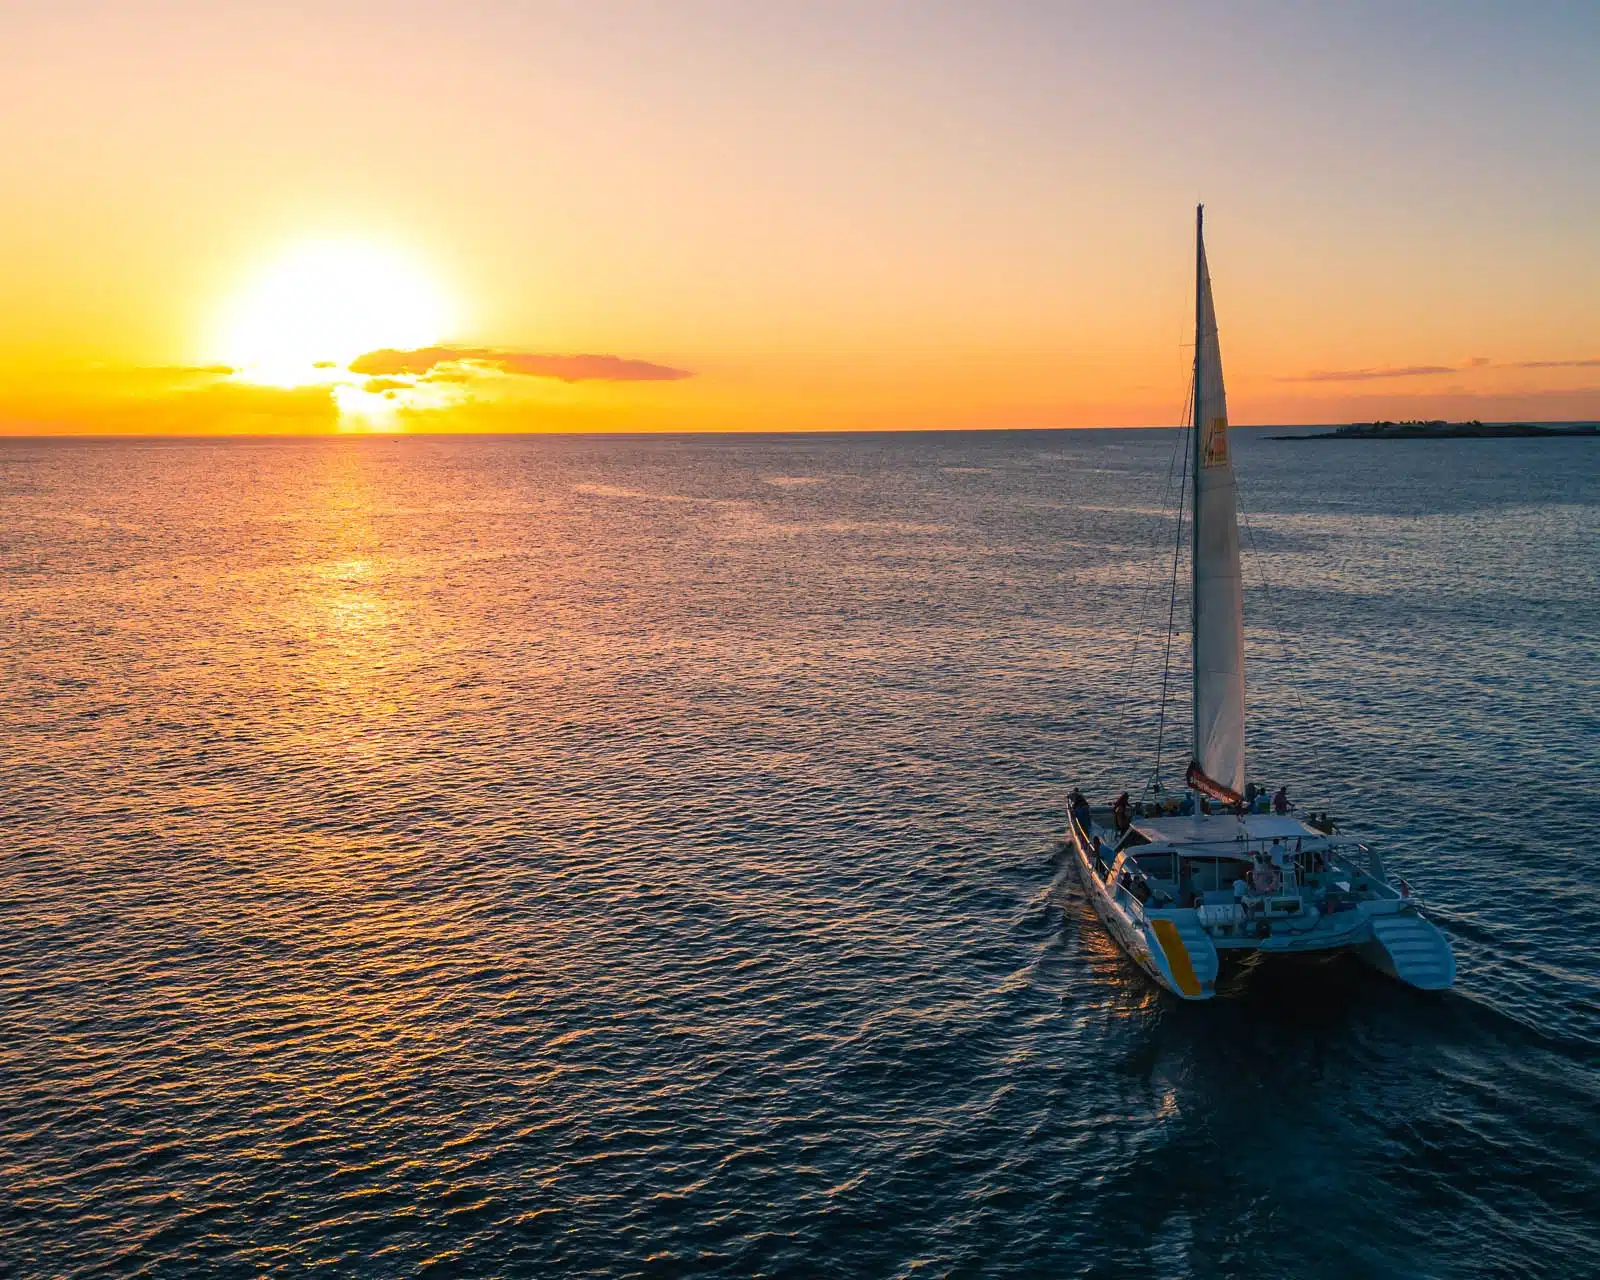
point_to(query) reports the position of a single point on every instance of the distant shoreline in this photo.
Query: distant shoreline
(1440, 430)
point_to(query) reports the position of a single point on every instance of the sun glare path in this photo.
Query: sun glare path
(323, 304)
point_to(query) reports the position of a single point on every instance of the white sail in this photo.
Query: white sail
(1218, 585)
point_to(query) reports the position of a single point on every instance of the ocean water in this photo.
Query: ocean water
(634, 856)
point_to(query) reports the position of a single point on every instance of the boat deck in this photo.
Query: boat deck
(1248, 878)
(1178, 890)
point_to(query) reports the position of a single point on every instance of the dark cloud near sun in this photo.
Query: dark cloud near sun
(531, 364)
(1558, 364)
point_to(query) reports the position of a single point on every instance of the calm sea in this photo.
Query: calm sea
(634, 856)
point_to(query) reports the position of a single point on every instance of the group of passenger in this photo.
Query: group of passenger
(1265, 876)
(1121, 811)
(1266, 873)
(1256, 801)
(1135, 882)
(1267, 868)
(1268, 865)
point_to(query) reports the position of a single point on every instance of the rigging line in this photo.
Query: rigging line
(1275, 614)
(1275, 623)
(1160, 515)
(1172, 608)
(1147, 588)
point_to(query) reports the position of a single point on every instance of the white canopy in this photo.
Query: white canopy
(1221, 830)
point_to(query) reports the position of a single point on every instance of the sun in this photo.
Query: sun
(321, 304)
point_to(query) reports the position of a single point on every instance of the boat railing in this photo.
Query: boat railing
(1079, 829)
(1362, 858)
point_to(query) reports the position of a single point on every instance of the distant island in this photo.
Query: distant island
(1438, 429)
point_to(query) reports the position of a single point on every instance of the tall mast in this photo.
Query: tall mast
(1194, 483)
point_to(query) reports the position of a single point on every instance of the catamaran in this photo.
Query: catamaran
(1181, 878)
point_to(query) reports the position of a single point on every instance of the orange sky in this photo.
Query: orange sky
(790, 216)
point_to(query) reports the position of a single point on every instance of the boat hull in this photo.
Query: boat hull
(1410, 950)
(1179, 953)
(1162, 953)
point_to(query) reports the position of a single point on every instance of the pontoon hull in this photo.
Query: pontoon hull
(1176, 950)
(1411, 950)
(1165, 955)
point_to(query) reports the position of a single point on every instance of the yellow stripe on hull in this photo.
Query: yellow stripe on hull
(1177, 957)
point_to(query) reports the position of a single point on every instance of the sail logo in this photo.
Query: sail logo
(1214, 446)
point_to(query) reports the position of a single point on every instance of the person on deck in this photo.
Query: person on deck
(1120, 814)
(1280, 801)
(1264, 877)
(1099, 856)
(1080, 808)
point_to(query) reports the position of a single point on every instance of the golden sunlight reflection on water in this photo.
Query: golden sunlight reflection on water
(529, 857)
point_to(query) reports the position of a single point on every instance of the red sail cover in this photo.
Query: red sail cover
(1197, 780)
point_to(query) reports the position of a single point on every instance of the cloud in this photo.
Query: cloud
(374, 385)
(584, 368)
(1363, 375)
(531, 364)
(1432, 370)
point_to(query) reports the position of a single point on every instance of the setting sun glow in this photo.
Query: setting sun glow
(537, 216)
(322, 304)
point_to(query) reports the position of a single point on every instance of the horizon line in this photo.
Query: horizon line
(769, 431)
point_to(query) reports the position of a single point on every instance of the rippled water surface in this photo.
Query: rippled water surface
(595, 856)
